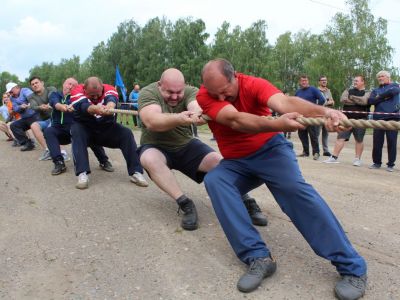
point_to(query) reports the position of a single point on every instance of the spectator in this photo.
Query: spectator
(385, 98)
(94, 124)
(168, 108)
(133, 100)
(323, 87)
(313, 95)
(6, 113)
(255, 154)
(353, 99)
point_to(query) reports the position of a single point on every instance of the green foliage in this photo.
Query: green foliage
(351, 44)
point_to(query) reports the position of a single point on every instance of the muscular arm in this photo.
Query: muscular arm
(285, 104)
(155, 120)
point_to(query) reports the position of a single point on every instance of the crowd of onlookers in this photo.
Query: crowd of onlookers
(356, 102)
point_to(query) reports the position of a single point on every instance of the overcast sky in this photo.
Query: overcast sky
(33, 32)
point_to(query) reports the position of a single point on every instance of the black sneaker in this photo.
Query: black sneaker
(189, 218)
(303, 154)
(15, 144)
(107, 166)
(257, 217)
(351, 287)
(327, 153)
(59, 167)
(28, 146)
(259, 269)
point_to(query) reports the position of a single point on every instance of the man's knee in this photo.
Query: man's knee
(151, 159)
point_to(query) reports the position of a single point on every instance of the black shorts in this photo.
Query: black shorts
(186, 159)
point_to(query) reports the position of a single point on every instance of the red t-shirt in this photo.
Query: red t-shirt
(254, 94)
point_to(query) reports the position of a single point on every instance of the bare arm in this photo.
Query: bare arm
(285, 104)
(155, 120)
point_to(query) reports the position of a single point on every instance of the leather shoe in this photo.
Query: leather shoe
(259, 269)
(189, 218)
(257, 217)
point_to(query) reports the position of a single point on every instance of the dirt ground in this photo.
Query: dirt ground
(119, 241)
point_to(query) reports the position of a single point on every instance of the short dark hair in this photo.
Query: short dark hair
(322, 76)
(33, 78)
(304, 76)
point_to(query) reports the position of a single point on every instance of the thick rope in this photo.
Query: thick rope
(377, 124)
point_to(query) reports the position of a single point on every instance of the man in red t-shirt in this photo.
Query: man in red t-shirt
(255, 153)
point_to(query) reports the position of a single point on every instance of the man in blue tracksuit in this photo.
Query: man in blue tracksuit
(386, 100)
(59, 133)
(313, 95)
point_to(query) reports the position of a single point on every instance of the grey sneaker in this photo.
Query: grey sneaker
(316, 156)
(351, 287)
(83, 181)
(139, 179)
(45, 155)
(107, 166)
(389, 169)
(259, 269)
(374, 166)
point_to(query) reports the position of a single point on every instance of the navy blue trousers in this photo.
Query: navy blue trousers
(378, 141)
(61, 135)
(275, 165)
(112, 136)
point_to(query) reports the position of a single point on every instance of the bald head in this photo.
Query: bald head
(68, 85)
(219, 79)
(172, 86)
(93, 87)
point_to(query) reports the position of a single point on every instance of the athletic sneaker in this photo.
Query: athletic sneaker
(316, 156)
(374, 166)
(389, 169)
(65, 155)
(45, 155)
(357, 162)
(259, 269)
(351, 287)
(331, 160)
(83, 181)
(139, 179)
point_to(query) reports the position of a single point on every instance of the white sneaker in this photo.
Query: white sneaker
(65, 155)
(83, 181)
(331, 160)
(139, 179)
(357, 162)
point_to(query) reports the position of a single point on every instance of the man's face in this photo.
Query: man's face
(304, 82)
(383, 79)
(68, 85)
(358, 83)
(15, 91)
(37, 86)
(94, 93)
(223, 89)
(136, 88)
(172, 92)
(323, 82)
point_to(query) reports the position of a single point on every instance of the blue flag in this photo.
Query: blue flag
(120, 83)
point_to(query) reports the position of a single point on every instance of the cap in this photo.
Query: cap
(10, 86)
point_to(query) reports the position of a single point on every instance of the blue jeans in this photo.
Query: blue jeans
(275, 165)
